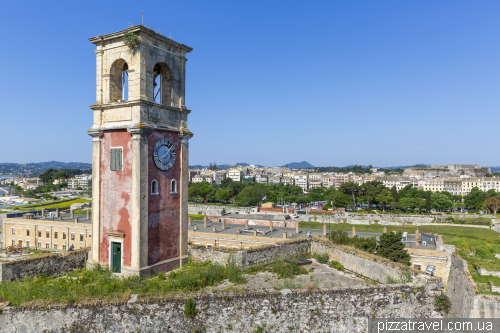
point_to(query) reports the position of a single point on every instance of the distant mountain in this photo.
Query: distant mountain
(299, 165)
(495, 169)
(407, 166)
(35, 168)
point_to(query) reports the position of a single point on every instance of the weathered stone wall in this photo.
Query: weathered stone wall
(374, 267)
(326, 310)
(52, 264)
(371, 266)
(213, 210)
(484, 271)
(250, 257)
(486, 306)
(460, 289)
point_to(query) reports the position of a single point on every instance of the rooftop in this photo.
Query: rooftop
(64, 217)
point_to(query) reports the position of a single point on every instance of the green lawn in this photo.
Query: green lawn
(53, 204)
(476, 245)
(196, 217)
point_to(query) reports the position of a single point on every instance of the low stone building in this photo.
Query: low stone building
(33, 230)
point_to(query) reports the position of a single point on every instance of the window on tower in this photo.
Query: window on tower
(173, 186)
(116, 159)
(154, 187)
(118, 81)
(162, 84)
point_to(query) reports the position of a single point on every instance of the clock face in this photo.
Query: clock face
(164, 154)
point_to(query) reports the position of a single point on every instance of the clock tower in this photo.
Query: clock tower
(139, 153)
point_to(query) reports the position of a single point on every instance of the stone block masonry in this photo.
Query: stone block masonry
(330, 310)
(461, 291)
(52, 264)
(371, 266)
(251, 257)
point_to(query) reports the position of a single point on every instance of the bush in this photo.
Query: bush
(337, 265)
(322, 258)
(442, 303)
(342, 238)
(234, 273)
(190, 308)
(451, 219)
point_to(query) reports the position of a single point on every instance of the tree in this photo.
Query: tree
(448, 194)
(475, 198)
(330, 194)
(428, 201)
(371, 189)
(384, 198)
(199, 190)
(441, 201)
(492, 203)
(392, 248)
(395, 194)
(342, 200)
(406, 203)
(350, 188)
(222, 195)
(59, 174)
(252, 194)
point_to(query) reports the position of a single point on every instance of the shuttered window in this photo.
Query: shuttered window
(116, 159)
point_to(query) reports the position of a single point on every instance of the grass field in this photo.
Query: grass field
(196, 217)
(476, 245)
(53, 204)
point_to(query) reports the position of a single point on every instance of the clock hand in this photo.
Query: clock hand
(164, 156)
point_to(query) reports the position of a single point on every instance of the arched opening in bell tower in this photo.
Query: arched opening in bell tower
(118, 81)
(162, 84)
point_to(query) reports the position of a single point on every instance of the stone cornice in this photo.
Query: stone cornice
(141, 29)
(140, 103)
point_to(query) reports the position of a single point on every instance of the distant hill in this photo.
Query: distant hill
(407, 166)
(35, 168)
(299, 165)
(495, 169)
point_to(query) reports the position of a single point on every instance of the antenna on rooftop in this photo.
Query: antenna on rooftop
(142, 17)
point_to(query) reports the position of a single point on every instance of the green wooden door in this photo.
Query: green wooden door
(117, 257)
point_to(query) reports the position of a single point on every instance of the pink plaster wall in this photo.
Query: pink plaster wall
(163, 209)
(116, 187)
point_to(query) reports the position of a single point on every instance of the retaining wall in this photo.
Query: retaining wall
(326, 310)
(484, 271)
(52, 264)
(461, 291)
(251, 257)
(374, 267)
(214, 210)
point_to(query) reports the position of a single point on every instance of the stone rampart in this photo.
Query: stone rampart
(251, 257)
(327, 310)
(371, 266)
(461, 290)
(52, 264)
(484, 271)
(215, 210)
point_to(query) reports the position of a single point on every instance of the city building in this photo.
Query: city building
(235, 174)
(41, 232)
(301, 181)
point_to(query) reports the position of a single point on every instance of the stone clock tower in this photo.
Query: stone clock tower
(139, 153)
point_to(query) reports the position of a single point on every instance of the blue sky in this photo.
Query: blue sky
(271, 82)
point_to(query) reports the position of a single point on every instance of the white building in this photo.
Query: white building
(301, 180)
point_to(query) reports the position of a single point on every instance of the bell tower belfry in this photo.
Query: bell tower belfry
(139, 153)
